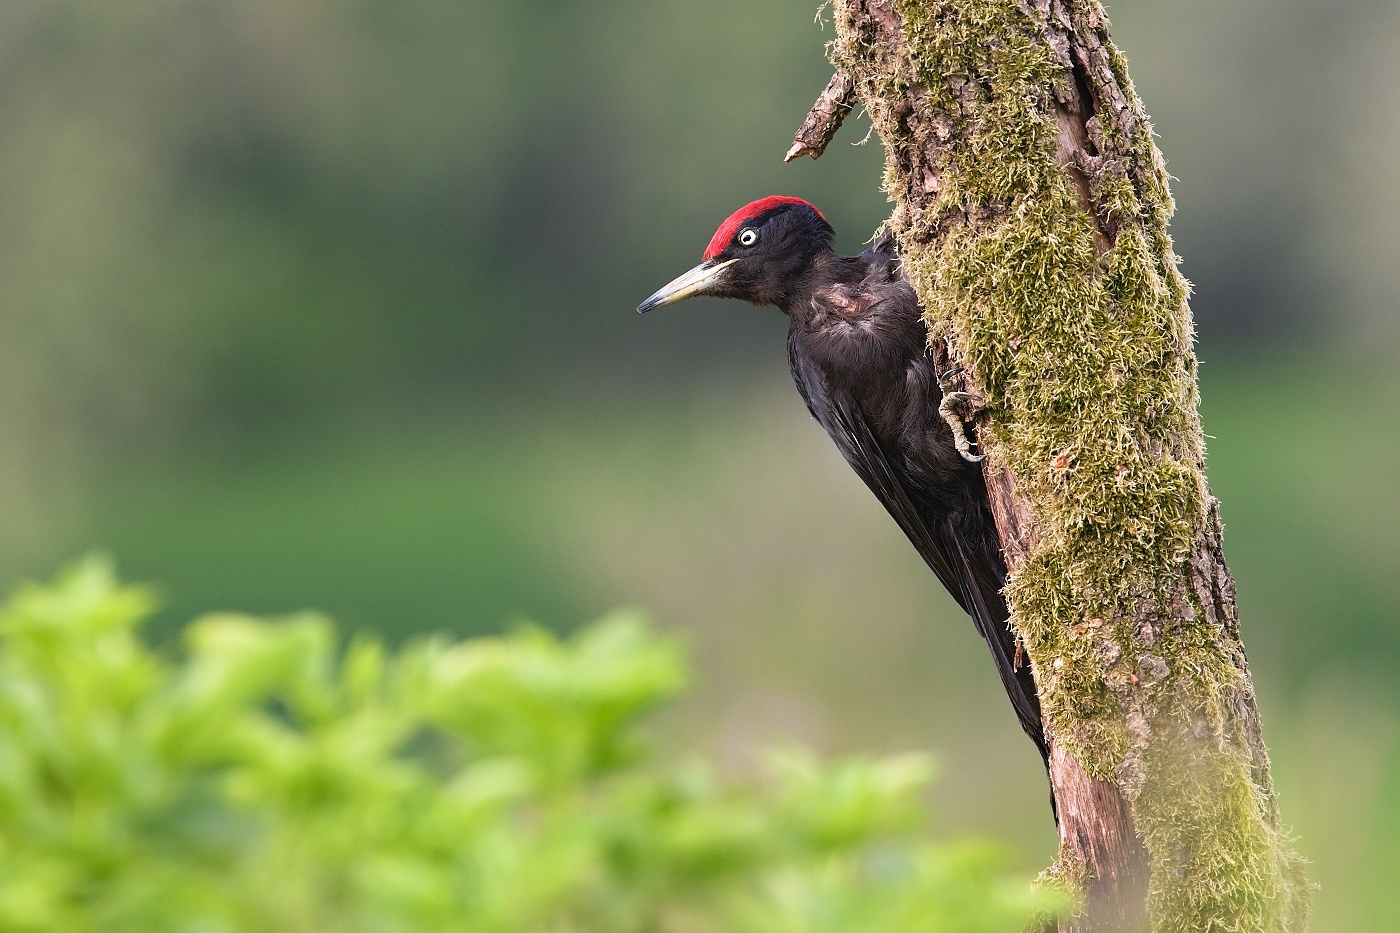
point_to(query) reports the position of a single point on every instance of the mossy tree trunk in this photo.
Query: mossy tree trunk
(1031, 209)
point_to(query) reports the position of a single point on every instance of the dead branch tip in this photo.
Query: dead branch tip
(825, 118)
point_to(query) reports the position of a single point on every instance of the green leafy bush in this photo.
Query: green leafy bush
(275, 781)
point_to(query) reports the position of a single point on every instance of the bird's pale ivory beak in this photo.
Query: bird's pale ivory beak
(691, 283)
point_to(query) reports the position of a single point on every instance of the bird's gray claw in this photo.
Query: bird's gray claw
(949, 377)
(953, 410)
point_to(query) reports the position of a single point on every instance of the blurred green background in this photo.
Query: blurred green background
(328, 303)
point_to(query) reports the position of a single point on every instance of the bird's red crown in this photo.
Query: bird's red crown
(743, 215)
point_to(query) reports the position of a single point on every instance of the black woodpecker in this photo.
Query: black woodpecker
(858, 349)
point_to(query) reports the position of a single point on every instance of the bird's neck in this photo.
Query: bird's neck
(826, 269)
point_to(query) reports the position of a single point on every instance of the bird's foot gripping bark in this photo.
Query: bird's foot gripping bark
(956, 408)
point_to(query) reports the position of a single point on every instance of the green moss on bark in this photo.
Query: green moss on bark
(1072, 320)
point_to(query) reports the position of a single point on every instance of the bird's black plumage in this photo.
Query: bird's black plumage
(858, 350)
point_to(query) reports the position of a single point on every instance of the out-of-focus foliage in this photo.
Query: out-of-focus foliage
(273, 781)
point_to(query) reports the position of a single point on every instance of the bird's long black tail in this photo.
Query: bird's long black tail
(982, 586)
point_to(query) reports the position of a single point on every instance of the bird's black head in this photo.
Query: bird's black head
(764, 253)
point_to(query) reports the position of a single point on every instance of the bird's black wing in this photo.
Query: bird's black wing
(975, 583)
(847, 426)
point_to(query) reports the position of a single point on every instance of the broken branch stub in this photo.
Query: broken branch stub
(825, 118)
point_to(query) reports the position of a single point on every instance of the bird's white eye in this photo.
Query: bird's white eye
(748, 236)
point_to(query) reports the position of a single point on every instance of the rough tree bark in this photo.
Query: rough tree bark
(1031, 209)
